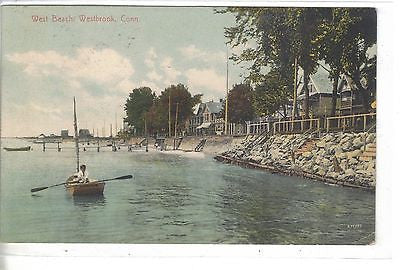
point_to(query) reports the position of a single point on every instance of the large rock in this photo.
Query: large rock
(307, 155)
(329, 137)
(257, 159)
(321, 171)
(326, 162)
(349, 172)
(341, 156)
(357, 143)
(353, 154)
(332, 174)
(338, 150)
(371, 166)
(347, 146)
(274, 154)
(371, 138)
(321, 144)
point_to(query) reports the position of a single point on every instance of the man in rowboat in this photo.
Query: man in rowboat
(80, 177)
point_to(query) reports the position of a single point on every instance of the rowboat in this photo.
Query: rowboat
(27, 148)
(93, 187)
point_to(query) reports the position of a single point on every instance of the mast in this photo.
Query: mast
(76, 138)
(169, 114)
(226, 101)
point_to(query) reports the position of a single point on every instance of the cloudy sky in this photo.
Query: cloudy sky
(45, 64)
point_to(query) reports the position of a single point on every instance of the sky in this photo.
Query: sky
(45, 63)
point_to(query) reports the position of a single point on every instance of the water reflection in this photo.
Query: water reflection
(89, 201)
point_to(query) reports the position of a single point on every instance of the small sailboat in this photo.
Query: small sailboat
(75, 188)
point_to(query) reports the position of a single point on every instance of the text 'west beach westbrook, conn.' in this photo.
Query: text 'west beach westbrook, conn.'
(84, 19)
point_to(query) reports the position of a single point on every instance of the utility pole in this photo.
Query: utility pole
(176, 118)
(176, 124)
(295, 89)
(110, 130)
(145, 133)
(227, 93)
(294, 93)
(169, 114)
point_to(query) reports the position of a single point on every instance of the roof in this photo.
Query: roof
(214, 107)
(319, 80)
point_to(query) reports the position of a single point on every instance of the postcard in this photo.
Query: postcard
(189, 125)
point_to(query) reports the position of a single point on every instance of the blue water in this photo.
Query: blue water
(174, 198)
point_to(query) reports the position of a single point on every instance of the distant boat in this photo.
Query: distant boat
(27, 148)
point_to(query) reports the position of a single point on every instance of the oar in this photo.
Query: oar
(105, 180)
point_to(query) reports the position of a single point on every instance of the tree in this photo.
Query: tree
(240, 104)
(338, 35)
(356, 61)
(282, 34)
(305, 22)
(138, 103)
(182, 100)
(270, 96)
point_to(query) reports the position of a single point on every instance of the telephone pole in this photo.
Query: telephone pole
(227, 93)
(176, 118)
(295, 89)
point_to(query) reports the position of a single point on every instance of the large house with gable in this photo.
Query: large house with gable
(206, 119)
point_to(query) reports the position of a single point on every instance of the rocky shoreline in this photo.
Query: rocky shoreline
(346, 159)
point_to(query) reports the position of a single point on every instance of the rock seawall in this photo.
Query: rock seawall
(338, 158)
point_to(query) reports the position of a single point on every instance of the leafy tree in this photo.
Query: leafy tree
(356, 60)
(155, 119)
(281, 35)
(343, 38)
(240, 107)
(137, 105)
(182, 100)
(304, 22)
(271, 96)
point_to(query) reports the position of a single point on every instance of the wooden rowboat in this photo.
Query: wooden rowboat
(27, 148)
(90, 188)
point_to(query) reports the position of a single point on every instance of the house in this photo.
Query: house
(320, 93)
(196, 119)
(350, 97)
(211, 113)
(206, 119)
